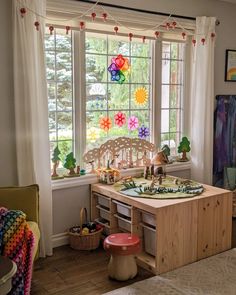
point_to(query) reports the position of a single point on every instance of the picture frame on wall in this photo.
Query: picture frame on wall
(230, 65)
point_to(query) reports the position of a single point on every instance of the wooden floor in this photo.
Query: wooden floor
(70, 272)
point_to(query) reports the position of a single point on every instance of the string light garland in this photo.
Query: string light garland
(168, 24)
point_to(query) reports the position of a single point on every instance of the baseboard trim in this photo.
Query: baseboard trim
(60, 240)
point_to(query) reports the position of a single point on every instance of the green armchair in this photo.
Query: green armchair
(26, 199)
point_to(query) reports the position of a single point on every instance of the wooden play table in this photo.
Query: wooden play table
(186, 230)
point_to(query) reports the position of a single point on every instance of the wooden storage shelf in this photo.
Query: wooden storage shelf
(187, 230)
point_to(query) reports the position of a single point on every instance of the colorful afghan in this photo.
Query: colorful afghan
(16, 242)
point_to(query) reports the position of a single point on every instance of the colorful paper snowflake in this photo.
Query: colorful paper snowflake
(105, 123)
(92, 134)
(143, 132)
(140, 96)
(120, 119)
(133, 123)
(119, 68)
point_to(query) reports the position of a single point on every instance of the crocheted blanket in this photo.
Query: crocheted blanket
(16, 242)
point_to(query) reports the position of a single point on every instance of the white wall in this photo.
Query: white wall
(66, 203)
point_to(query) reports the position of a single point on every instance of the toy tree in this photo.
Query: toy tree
(184, 147)
(55, 159)
(70, 163)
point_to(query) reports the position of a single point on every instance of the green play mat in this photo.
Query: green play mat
(169, 189)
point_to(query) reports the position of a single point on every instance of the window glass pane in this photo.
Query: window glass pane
(49, 42)
(96, 44)
(118, 96)
(175, 96)
(166, 47)
(96, 97)
(64, 96)
(140, 49)
(176, 72)
(96, 68)
(63, 66)
(165, 121)
(165, 96)
(64, 122)
(50, 63)
(63, 42)
(52, 120)
(173, 121)
(140, 96)
(140, 70)
(116, 46)
(51, 97)
(165, 71)
(165, 139)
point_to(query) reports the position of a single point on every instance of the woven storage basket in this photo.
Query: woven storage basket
(234, 203)
(84, 242)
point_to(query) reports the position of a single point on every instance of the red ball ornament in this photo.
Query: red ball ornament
(203, 40)
(81, 25)
(194, 42)
(167, 26)
(157, 34)
(36, 25)
(67, 30)
(144, 39)
(51, 29)
(22, 11)
(93, 15)
(104, 15)
(174, 24)
(116, 29)
(183, 35)
(130, 36)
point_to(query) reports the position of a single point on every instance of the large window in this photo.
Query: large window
(60, 91)
(104, 99)
(108, 99)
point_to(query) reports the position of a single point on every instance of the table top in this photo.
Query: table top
(7, 269)
(154, 204)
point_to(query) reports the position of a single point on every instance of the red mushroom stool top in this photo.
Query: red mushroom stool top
(122, 244)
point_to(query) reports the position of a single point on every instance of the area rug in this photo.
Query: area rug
(215, 275)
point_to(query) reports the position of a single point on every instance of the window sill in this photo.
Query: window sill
(92, 178)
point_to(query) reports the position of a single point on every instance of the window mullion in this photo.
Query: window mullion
(156, 93)
(79, 96)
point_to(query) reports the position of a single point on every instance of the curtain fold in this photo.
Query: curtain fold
(202, 101)
(31, 109)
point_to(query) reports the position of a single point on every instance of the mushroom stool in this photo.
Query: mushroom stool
(122, 247)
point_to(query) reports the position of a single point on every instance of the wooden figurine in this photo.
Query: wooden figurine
(92, 167)
(70, 164)
(56, 160)
(184, 147)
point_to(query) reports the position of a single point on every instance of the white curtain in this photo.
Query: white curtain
(31, 110)
(202, 101)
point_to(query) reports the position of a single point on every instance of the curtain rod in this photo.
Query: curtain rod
(137, 9)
